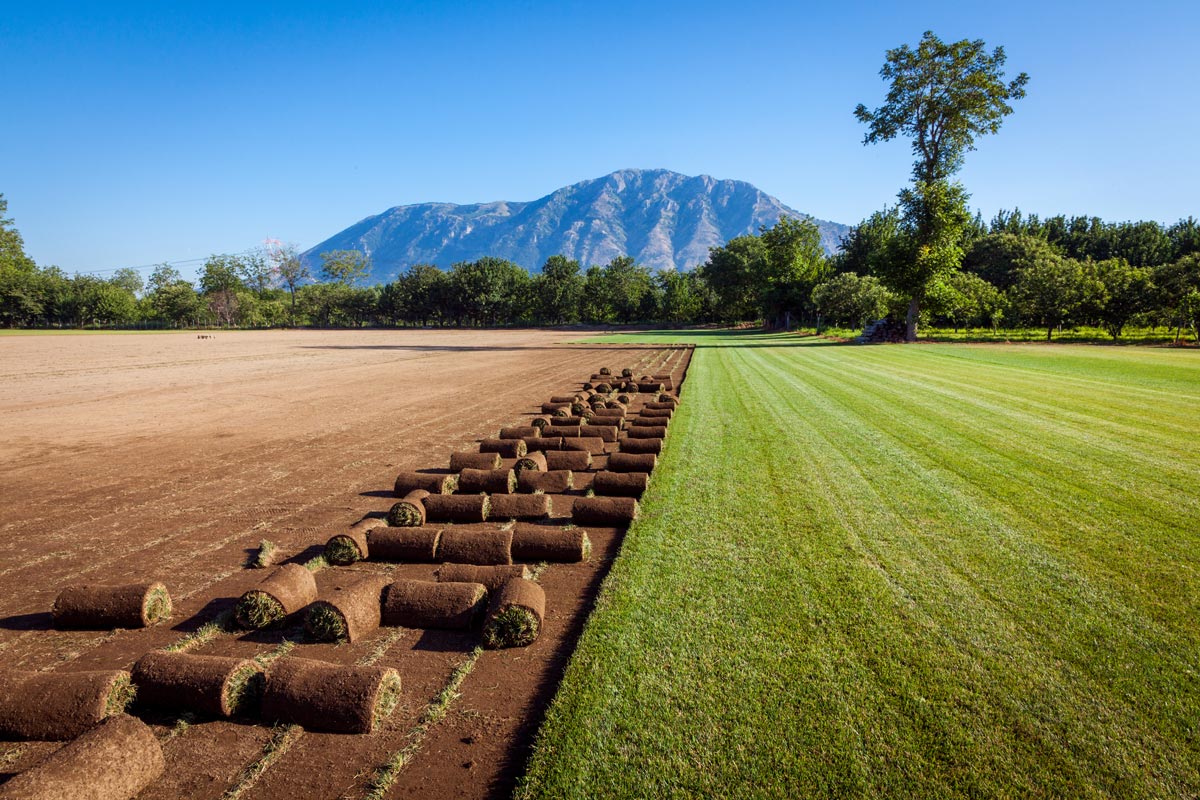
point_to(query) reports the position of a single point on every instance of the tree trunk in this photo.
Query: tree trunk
(1049, 331)
(910, 322)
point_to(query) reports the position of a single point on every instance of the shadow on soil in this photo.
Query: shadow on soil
(40, 621)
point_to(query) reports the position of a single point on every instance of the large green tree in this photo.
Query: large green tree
(347, 267)
(942, 96)
(559, 289)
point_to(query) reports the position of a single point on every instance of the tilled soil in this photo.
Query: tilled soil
(138, 457)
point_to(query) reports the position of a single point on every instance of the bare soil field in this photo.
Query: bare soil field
(169, 457)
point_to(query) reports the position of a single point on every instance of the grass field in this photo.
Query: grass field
(925, 571)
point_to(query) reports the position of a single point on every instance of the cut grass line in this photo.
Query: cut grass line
(220, 626)
(283, 738)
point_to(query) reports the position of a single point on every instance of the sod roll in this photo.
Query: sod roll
(632, 462)
(607, 511)
(646, 432)
(539, 423)
(551, 408)
(564, 399)
(491, 481)
(520, 432)
(624, 398)
(569, 431)
(493, 577)
(434, 484)
(650, 386)
(656, 413)
(99, 607)
(406, 545)
(620, 484)
(217, 686)
(574, 460)
(642, 421)
(641, 446)
(545, 443)
(562, 411)
(567, 422)
(586, 444)
(329, 697)
(282, 593)
(461, 461)
(605, 371)
(457, 507)
(535, 462)
(521, 506)
(409, 512)
(514, 617)
(54, 706)
(627, 373)
(347, 611)
(507, 448)
(113, 761)
(604, 387)
(605, 433)
(669, 405)
(430, 604)
(476, 547)
(535, 543)
(555, 481)
(346, 548)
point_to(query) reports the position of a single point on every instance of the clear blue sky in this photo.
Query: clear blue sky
(135, 133)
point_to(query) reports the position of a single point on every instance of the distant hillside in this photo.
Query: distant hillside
(663, 219)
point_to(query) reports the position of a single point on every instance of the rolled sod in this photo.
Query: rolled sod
(641, 446)
(115, 760)
(656, 413)
(218, 686)
(607, 511)
(642, 421)
(620, 484)
(507, 448)
(521, 506)
(539, 423)
(567, 422)
(660, 406)
(346, 548)
(99, 607)
(574, 460)
(545, 443)
(520, 432)
(625, 398)
(626, 373)
(55, 706)
(476, 547)
(347, 611)
(493, 577)
(605, 371)
(569, 432)
(514, 617)
(561, 411)
(535, 462)
(604, 387)
(434, 484)
(457, 507)
(667, 398)
(491, 481)
(430, 604)
(646, 432)
(551, 408)
(555, 481)
(650, 386)
(408, 545)
(564, 399)
(409, 512)
(587, 444)
(632, 462)
(461, 461)
(606, 433)
(329, 697)
(282, 593)
(547, 543)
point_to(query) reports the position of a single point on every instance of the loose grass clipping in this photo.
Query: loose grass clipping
(409, 512)
(347, 611)
(476, 547)
(286, 591)
(491, 481)
(217, 686)
(606, 511)
(434, 484)
(97, 607)
(429, 604)
(457, 507)
(406, 545)
(534, 543)
(54, 706)
(514, 617)
(115, 760)
(329, 697)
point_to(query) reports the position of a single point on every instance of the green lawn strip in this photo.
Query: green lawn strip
(838, 586)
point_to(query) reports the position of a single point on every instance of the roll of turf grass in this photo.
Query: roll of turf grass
(545, 443)
(521, 506)
(434, 604)
(347, 611)
(281, 594)
(476, 547)
(530, 462)
(650, 386)
(520, 432)
(329, 697)
(507, 448)
(656, 413)
(627, 373)
(641, 446)
(567, 422)
(660, 405)
(605, 433)
(434, 484)
(493, 576)
(535, 543)
(115, 760)
(346, 548)
(632, 462)
(491, 481)
(409, 512)
(643, 421)
(54, 706)
(586, 444)
(575, 460)
(539, 423)
(457, 507)
(564, 399)
(605, 371)
(606, 511)
(406, 545)
(461, 461)
(604, 387)
(620, 484)
(514, 617)
(646, 432)
(569, 431)
(555, 481)
(101, 607)
(554, 408)
(560, 411)
(217, 686)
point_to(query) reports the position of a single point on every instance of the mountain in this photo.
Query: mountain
(663, 219)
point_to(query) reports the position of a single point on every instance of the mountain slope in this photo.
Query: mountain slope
(663, 219)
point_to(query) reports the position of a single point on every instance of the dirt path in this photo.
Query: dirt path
(167, 456)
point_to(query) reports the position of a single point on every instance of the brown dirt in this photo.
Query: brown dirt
(163, 457)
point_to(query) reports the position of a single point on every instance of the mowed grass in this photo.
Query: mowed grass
(901, 571)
